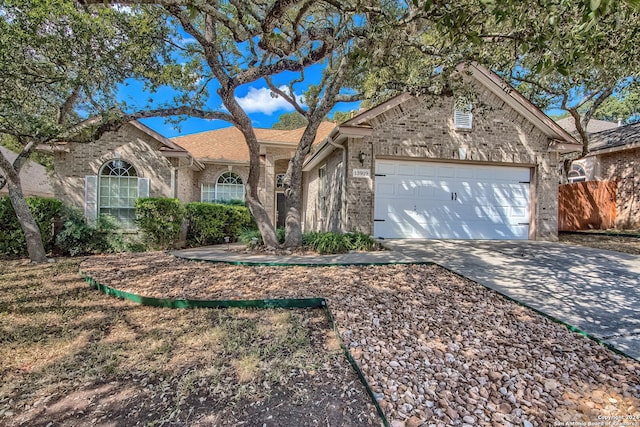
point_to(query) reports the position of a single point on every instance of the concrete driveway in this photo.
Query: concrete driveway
(597, 291)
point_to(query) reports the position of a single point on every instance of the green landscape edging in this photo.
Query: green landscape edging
(260, 303)
(356, 368)
(572, 328)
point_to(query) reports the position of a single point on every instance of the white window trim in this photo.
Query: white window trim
(213, 189)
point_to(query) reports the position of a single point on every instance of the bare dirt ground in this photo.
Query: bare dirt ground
(72, 356)
(435, 348)
(628, 244)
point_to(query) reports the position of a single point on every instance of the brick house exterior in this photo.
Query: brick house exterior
(187, 167)
(502, 160)
(341, 175)
(614, 155)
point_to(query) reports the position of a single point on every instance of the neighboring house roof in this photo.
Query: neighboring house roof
(33, 176)
(618, 139)
(228, 144)
(360, 126)
(569, 124)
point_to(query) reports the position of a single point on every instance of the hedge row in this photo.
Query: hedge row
(162, 221)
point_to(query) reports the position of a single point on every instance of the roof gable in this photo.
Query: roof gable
(498, 87)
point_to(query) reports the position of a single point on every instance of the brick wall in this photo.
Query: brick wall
(129, 144)
(419, 129)
(332, 219)
(624, 167)
(210, 175)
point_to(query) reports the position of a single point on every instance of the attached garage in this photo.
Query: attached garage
(418, 199)
(418, 167)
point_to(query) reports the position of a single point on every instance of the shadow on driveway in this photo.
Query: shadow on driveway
(597, 291)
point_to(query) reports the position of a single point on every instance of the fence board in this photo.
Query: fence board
(589, 205)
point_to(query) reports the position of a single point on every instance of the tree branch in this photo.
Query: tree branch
(290, 99)
(99, 125)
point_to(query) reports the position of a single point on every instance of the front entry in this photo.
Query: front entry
(281, 211)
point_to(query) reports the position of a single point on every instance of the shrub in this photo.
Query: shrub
(79, 238)
(358, 241)
(45, 212)
(209, 223)
(333, 243)
(160, 219)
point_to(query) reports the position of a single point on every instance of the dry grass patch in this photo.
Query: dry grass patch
(73, 356)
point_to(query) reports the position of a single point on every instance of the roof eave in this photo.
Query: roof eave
(617, 148)
(522, 105)
(338, 135)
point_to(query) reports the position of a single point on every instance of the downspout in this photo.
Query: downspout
(343, 204)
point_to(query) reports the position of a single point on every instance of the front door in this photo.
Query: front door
(281, 211)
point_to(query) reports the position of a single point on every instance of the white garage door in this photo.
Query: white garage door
(450, 201)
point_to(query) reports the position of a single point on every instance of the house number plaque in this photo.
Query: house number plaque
(361, 173)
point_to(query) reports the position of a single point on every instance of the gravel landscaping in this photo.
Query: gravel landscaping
(436, 349)
(597, 239)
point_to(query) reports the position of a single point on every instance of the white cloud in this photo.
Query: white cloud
(261, 101)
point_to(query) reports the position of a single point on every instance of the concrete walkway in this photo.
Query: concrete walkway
(597, 291)
(233, 255)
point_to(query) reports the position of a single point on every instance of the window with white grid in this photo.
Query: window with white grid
(228, 187)
(118, 191)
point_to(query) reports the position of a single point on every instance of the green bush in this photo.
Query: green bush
(333, 243)
(45, 211)
(210, 223)
(160, 219)
(76, 237)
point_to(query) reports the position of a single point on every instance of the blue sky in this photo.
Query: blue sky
(256, 99)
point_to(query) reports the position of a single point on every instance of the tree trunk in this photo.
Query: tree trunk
(293, 186)
(243, 123)
(293, 203)
(35, 247)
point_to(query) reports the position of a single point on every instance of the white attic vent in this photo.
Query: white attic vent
(463, 118)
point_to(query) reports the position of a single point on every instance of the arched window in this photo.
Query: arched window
(118, 191)
(576, 173)
(228, 187)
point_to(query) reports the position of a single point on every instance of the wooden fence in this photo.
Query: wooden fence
(587, 205)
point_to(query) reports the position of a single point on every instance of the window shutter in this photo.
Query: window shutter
(143, 187)
(463, 119)
(91, 198)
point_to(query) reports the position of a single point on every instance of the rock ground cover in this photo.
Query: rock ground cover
(437, 349)
(71, 356)
(597, 239)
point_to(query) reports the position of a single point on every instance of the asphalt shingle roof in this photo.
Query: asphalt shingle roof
(229, 144)
(618, 137)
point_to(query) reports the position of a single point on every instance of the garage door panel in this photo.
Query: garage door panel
(451, 201)
(385, 168)
(406, 170)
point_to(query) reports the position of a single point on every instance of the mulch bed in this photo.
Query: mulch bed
(435, 348)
